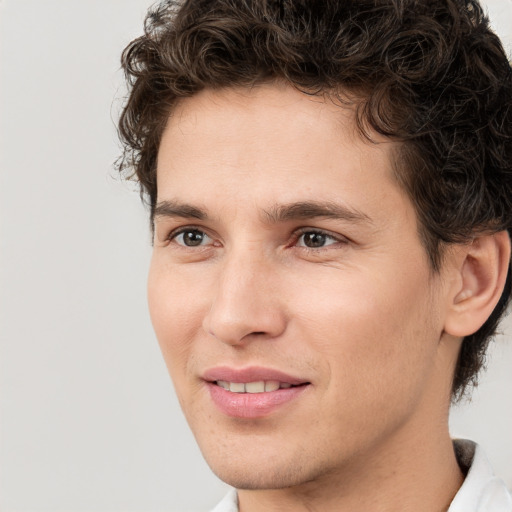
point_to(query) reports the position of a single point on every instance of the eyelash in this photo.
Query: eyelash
(337, 239)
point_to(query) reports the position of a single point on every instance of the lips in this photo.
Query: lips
(250, 374)
(252, 392)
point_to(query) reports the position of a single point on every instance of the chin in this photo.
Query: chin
(262, 468)
(260, 478)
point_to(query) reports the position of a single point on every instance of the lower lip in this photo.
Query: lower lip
(252, 405)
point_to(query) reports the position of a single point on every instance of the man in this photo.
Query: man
(330, 193)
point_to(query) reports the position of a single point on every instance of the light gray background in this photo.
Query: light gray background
(89, 421)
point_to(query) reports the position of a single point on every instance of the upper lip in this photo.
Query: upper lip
(250, 374)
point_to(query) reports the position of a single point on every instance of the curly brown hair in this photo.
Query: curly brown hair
(428, 73)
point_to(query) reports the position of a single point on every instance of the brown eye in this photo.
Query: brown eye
(315, 239)
(192, 238)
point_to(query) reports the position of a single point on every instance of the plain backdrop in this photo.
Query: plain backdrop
(89, 421)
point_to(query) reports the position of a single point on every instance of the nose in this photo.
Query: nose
(247, 303)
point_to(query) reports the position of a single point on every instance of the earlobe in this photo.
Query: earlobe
(483, 271)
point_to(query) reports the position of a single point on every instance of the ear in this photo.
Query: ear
(482, 268)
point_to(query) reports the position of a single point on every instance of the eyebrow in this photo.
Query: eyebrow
(177, 209)
(300, 210)
(315, 209)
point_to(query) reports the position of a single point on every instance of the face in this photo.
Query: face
(289, 291)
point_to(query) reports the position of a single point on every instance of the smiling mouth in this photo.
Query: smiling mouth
(252, 393)
(262, 386)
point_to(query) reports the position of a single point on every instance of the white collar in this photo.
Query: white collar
(229, 503)
(481, 491)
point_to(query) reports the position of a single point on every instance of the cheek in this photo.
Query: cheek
(376, 359)
(373, 333)
(176, 314)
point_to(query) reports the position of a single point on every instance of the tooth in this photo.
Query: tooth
(255, 387)
(223, 384)
(271, 385)
(237, 387)
(285, 385)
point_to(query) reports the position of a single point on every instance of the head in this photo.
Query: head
(424, 92)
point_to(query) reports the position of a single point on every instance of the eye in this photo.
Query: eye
(191, 238)
(315, 239)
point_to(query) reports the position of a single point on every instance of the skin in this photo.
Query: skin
(362, 317)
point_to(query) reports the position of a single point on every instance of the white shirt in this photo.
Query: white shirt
(480, 492)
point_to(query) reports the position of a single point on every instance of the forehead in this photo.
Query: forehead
(269, 145)
(262, 102)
